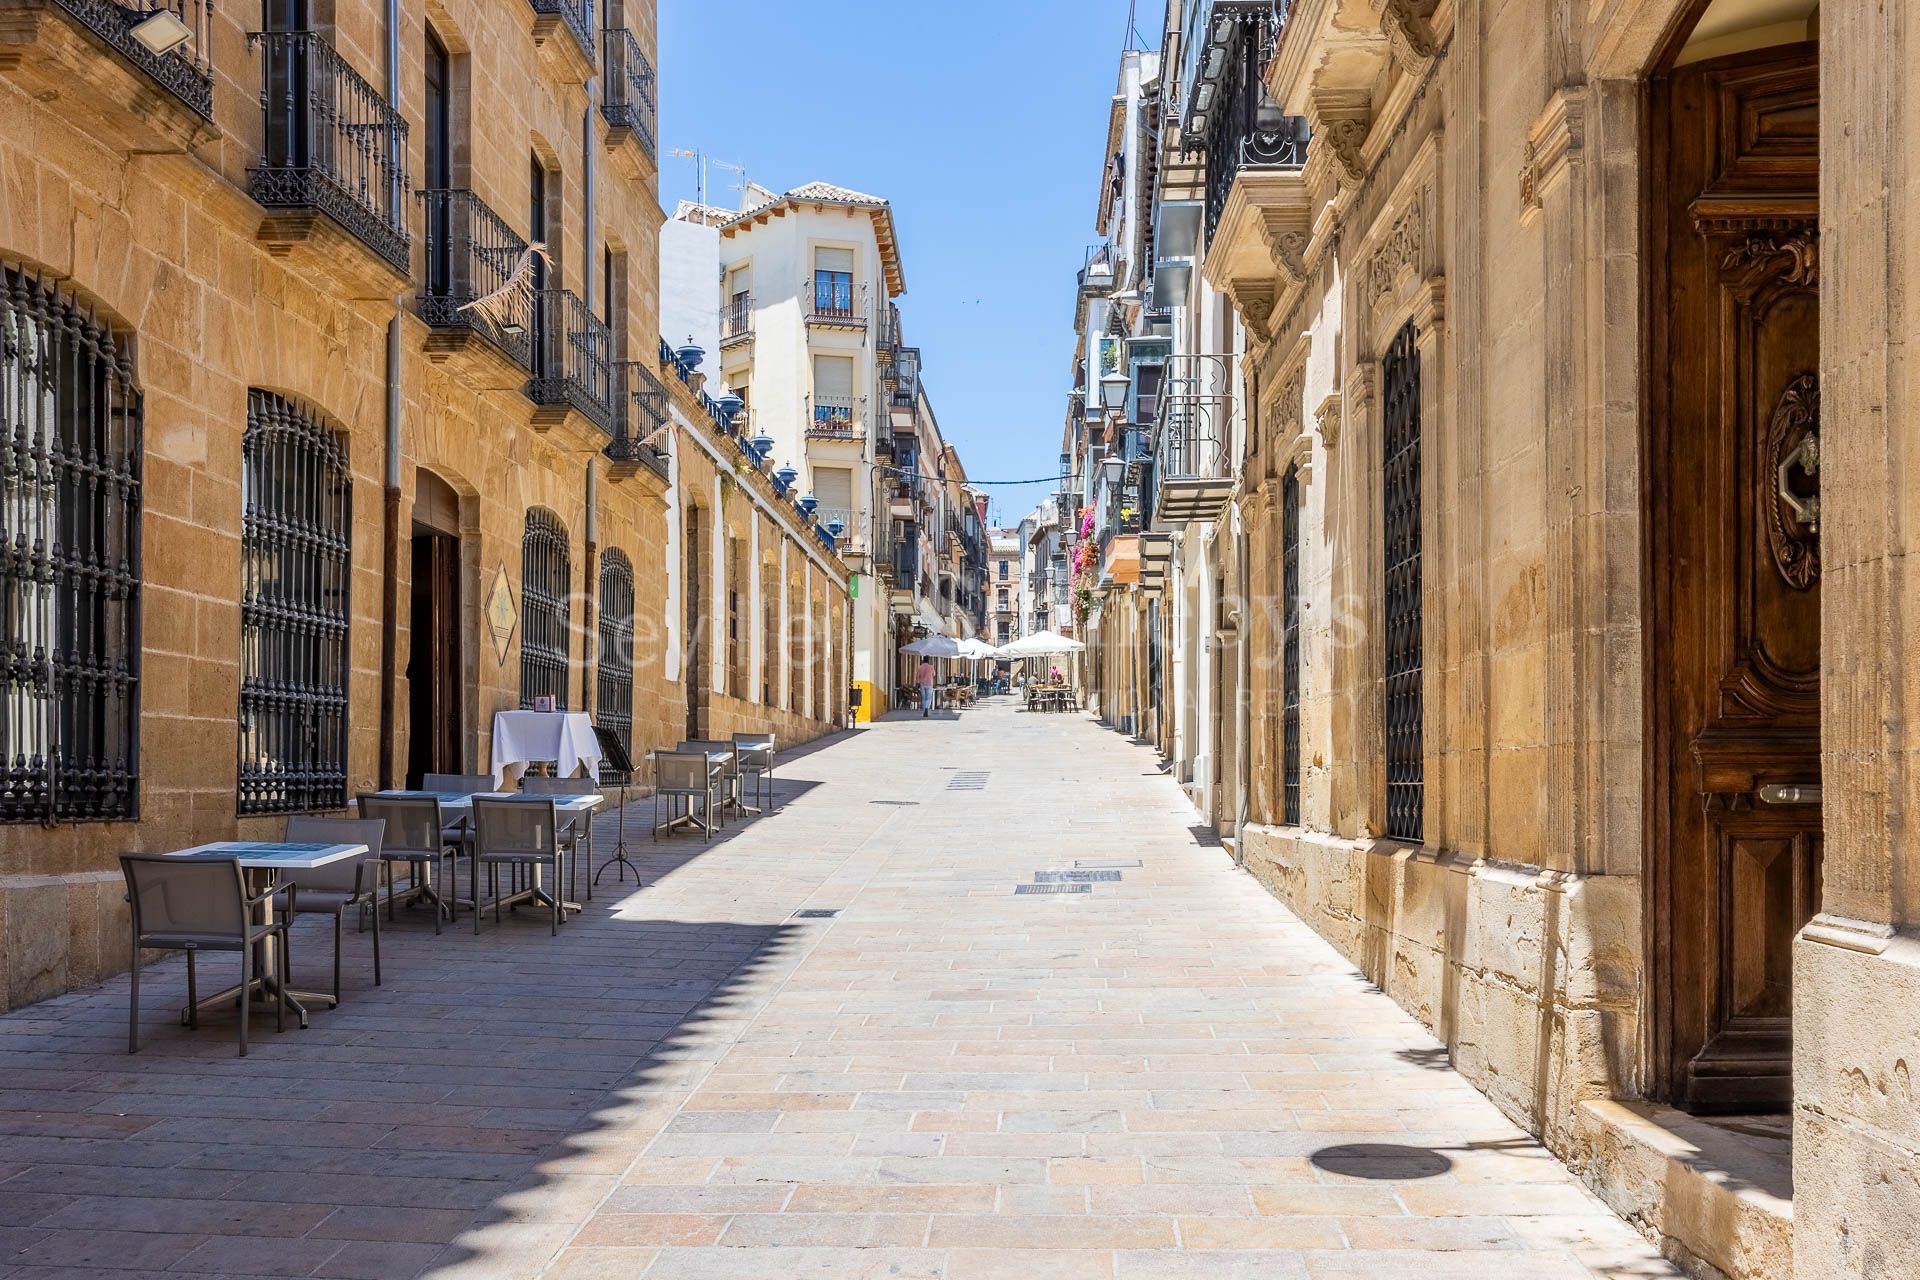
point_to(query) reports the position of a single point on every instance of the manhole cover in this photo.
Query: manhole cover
(816, 913)
(1106, 862)
(1076, 877)
(1381, 1161)
(1022, 889)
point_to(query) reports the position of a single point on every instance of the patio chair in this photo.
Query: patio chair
(514, 833)
(730, 772)
(685, 775)
(755, 755)
(336, 888)
(575, 829)
(195, 905)
(416, 835)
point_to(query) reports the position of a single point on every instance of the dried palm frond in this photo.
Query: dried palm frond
(511, 305)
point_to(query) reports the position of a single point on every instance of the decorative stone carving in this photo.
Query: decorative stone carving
(1399, 251)
(1328, 415)
(1289, 250)
(1792, 256)
(1342, 139)
(1255, 305)
(1553, 143)
(1408, 26)
(1793, 516)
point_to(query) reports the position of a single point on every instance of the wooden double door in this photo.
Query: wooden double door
(1734, 571)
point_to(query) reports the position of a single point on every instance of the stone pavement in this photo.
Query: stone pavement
(1165, 1075)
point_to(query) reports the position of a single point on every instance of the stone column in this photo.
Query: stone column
(1856, 974)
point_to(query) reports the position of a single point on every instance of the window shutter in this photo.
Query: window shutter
(833, 260)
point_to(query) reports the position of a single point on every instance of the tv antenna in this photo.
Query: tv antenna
(702, 163)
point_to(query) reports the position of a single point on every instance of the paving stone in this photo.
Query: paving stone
(942, 1082)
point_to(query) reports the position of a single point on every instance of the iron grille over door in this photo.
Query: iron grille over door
(70, 449)
(1290, 647)
(1405, 709)
(615, 675)
(296, 498)
(546, 572)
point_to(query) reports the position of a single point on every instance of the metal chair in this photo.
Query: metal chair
(755, 759)
(685, 775)
(339, 886)
(195, 905)
(729, 772)
(515, 833)
(576, 828)
(416, 835)
(459, 831)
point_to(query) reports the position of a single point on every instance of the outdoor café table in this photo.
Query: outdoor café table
(260, 859)
(717, 761)
(459, 805)
(564, 738)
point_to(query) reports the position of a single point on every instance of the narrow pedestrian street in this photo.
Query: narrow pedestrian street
(1042, 1030)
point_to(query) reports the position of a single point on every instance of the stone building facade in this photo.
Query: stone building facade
(313, 520)
(1546, 601)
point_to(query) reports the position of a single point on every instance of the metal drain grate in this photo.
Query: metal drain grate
(1076, 877)
(968, 782)
(898, 802)
(1106, 862)
(1022, 889)
(816, 913)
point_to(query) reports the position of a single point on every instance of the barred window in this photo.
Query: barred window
(615, 676)
(770, 656)
(296, 511)
(546, 609)
(736, 639)
(1290, 647)
(1405, 709)
(70, 452)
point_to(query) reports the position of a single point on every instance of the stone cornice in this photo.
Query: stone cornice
(1554, 142)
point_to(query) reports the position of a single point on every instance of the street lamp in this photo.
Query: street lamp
(1113, 390)
(160, 32)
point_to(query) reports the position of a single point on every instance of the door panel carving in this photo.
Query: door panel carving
(1735, 611)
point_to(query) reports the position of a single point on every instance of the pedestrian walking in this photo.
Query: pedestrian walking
(925, 677)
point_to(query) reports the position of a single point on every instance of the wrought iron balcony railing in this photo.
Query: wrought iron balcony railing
(333, 144)
(1228, 114)
(639, 414)
(572, 357)
(628, 99)
(736, 320)
(1100, 272)
(834, 417)
(906, 376)
(575, 15)
(471, 252)
(834, 302)
(185, 71)
(906, 561)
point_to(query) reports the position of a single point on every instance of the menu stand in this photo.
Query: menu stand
(615, 753)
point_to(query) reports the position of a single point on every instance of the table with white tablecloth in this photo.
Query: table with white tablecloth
(564, 739)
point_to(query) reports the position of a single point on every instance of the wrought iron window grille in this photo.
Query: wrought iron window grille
(1405, 708)
(546, 609)
(296, 531)
(614, 670)
(70, 457)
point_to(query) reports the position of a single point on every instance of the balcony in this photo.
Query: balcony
(628, 98)
(736, 321)
(1190, 460)
(335, 157)
(906, 377)
(640, 416)
(54, 48)
(575, 18)
(572, 362)
(470, 253)
(833, 418)
(1100, 273)
(1228, 114)
(834, 306)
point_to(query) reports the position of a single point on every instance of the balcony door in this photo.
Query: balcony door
(435, 665)
(1733, 675)
(289, 144)
(438, 170)
(537, 234)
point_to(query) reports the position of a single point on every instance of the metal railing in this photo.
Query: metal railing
(639, 412)
(576, 15)
(333, 144)
(906, 376)
(833, 301)
(628, 99)
(1195, 412)
(833, 416)
(185, 71)
(736, 319)
(471, 252)
(572, 356)
(1100, 271)
(906, 561)
(1228, 114)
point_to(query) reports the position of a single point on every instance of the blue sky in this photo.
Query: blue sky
(984, 126)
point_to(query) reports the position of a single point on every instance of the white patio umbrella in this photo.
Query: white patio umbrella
(1041, 644)
(979, 650)
(934, 647)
